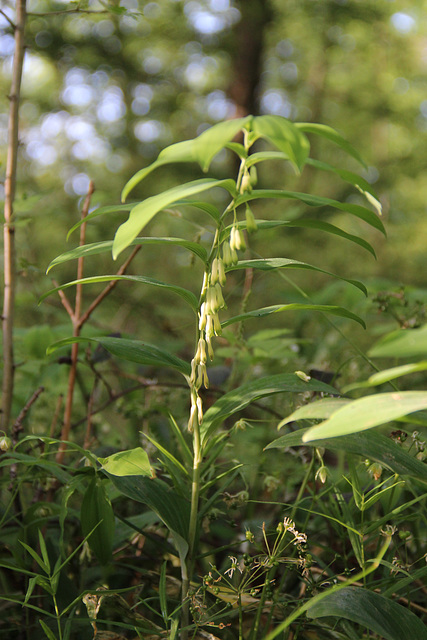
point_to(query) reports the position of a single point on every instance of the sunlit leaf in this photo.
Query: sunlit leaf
(396, 372)
(285, 136)
(266, 311)
(368, 444)
(133, 462)
(188, 296)
(372, 611)
(332, 135)
(315, 410)
(143, 212)
(365, 413)
(270, 264)
(403, 343)
(201, 149)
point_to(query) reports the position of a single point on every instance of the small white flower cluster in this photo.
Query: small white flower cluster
(299, 538)
(234, 565)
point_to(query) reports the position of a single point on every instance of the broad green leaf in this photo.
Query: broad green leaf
(369, 412)
(277, 308)
(143, 212)
(315, 410)
(134, 462)
(101, 211)
(171, 508)
(105, 247)
(362, 185)
(270, 264)
(201, 149)
(357, 210)
(368, 444)
(239, 398)
(96, 508)
(403, 343)
(131, 350)
(396, 372)
(332, 135)
(372, 611)
(188, 296)
(285, 136)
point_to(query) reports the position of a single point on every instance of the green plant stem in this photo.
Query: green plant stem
(336, 587)
(9, 259)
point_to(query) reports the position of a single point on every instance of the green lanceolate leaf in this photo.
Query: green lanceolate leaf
(239, 398)
(315, 410)
(131, 350)
(96, 508)
(48, 632)
(372, 611)
(396, 372)
(101, 211)
(330, 134)
(368, 444)
(403, 343)
(320, 225)
(365, 413)
(134, 462)
(362, 185)
(201, 149)
(270, 264)
(171, 508)
(143, 212)
(357, 210)
(285, 136)
(105, 247)
(186, 295)
(277, 308)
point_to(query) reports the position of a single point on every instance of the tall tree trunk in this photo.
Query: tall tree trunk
(247, 56)
(9, 229)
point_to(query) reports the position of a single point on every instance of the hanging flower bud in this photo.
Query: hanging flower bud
(226, 255)
(246, 184)
(221, 272)
(219, 297)
(254, 175)
(193, 371)
(202, 317)
(234, 257)
(201, 352)
(242, 241)
(214, 271)
(251, 224)
(199, 410)
(209, 331)
(210, 348)
(193, 418)
(217, 325)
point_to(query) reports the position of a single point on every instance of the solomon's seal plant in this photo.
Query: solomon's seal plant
(183, 501)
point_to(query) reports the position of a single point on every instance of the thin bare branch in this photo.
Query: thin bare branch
(64, 300)
(19, 420)
(6, 17)
(84, 318)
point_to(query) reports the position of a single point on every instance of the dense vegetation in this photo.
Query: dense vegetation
(227, 173)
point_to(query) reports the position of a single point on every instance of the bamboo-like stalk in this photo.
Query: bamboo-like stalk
(9, 229)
